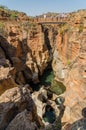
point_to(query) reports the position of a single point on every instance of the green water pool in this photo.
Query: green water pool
(47, 77)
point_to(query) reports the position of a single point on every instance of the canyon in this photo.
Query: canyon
(28, 49)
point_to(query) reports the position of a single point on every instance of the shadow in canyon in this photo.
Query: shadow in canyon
(45, 79)
(46, 33)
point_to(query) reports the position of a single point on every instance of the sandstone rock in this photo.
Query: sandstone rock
(41, 104)
(23, 121)
(69, 67)
(39, 50)
(15, 101)
(8, 109)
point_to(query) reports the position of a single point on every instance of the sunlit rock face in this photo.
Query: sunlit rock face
(49, 109)
(70, 67)
(39, 52)
(26, 48)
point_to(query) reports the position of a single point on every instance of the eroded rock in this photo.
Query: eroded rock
(14, 101)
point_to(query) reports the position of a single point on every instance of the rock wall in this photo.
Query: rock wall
(70, 67)
(25, 50)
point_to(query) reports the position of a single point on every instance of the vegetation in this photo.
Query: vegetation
(1, 27)
(3, 7)
(13, 15)
(57, 87)
(81, 28)
(63, 28)
(68, 62)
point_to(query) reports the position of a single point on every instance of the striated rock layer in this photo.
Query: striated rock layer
(69, 65)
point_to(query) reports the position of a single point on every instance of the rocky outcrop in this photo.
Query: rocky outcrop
(22, 121)
(49, 108)
(14, 101)
(41, 100)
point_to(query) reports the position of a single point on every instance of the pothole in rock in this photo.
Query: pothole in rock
(49, 105)
(59, 100)
(49, 115)
(47, 99)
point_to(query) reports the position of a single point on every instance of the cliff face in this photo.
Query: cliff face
(69, 65)
(27, 49)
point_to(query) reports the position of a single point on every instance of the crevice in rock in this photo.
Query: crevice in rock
(47, 41)
(6, 47)
(49, 115)
(45, 79)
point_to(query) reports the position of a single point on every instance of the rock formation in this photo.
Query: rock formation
(27, 49)
(16, 104)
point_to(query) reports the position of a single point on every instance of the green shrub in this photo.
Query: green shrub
(63, 28)
(68, 62)
(1, 27)
(13, 15)
(81, 28)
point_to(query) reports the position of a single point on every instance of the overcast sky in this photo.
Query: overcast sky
(36, 7)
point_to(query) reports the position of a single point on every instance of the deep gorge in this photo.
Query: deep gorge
(43, 74)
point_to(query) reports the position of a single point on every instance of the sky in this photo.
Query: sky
(37, 7)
